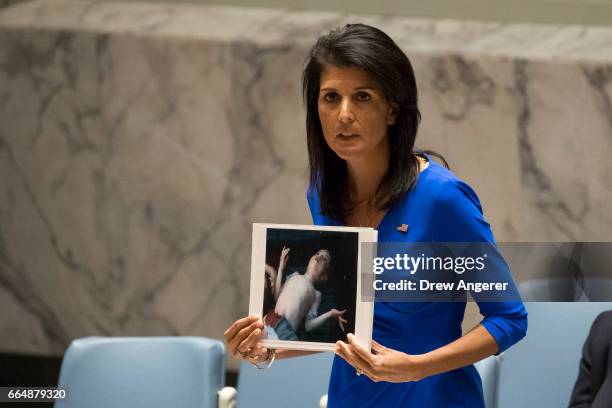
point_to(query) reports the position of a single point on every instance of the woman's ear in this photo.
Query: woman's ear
(393, 113)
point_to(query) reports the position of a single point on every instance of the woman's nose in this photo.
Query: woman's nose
(346, 114)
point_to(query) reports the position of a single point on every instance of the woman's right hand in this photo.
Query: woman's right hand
(243, 337)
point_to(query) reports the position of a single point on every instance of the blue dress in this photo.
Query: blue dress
(439, 208)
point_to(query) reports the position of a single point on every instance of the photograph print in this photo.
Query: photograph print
(309, 285)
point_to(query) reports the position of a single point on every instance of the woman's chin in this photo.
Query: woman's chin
(349, 153)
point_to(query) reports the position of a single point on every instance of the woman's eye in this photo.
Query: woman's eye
(363, 96)
(330, 97)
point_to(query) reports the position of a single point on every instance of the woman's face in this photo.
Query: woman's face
(354, 113)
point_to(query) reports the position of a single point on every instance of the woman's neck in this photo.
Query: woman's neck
(365, 175)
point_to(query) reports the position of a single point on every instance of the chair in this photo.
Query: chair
(540, 371)
(304, 382)
(294, 382)
(488, 370)
(135, 372)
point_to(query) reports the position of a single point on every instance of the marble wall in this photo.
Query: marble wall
(138, 142)
(6, 3)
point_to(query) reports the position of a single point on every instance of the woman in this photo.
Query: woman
(362, 119)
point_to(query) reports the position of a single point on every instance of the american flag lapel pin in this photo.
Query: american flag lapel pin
(403, 228)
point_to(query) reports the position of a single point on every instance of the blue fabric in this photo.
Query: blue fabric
(284, 330)
(439, 208)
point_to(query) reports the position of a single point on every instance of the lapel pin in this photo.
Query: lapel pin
(403, 228)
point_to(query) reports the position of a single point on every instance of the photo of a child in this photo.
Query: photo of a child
(310, 285)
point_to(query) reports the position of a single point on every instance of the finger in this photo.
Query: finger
(359, 350)
(241, 335)
(245, 332)
(362, 365)
(238, 325)
(350, 356)
(344, 351)
(251, 341)
(377, 347)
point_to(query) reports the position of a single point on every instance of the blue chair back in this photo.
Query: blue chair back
(540, 371)
(294, 382)
(150, 372)
(489, 373)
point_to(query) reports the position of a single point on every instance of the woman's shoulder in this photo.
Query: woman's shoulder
(446, 187)
(456, 211)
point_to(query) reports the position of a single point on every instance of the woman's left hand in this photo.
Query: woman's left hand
(382, 364)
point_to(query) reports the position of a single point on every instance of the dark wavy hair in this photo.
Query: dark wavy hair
(368, 48)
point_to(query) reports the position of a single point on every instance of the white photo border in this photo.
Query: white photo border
(364, 311)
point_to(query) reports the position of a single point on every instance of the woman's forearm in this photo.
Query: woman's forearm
(468, 349)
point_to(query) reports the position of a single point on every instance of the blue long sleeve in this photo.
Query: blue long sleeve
(458, 217)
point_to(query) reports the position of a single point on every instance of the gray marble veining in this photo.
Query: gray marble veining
(138, 142)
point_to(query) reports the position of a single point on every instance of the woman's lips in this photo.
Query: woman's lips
(346, 135)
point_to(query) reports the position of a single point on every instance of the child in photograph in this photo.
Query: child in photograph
(297, 300)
